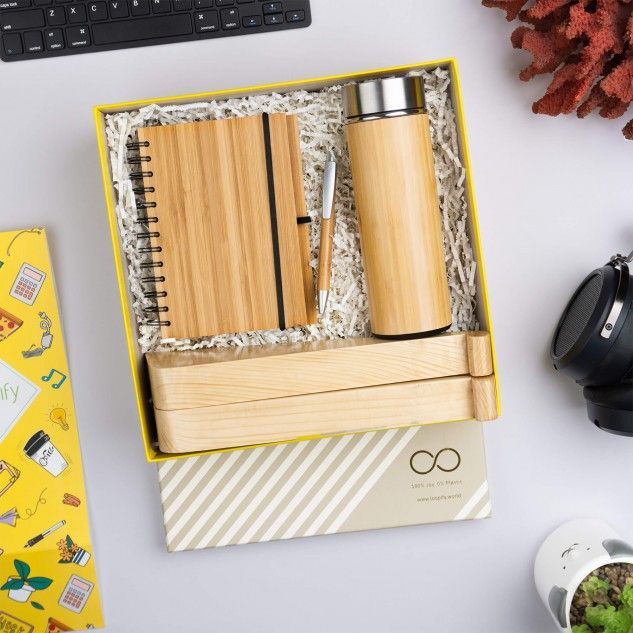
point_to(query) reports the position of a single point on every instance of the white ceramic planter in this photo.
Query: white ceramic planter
(21, 595)
(568, 555)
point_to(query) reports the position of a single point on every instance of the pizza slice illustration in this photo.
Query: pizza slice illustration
(8, 324)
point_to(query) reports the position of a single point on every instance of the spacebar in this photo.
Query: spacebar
(147, 29)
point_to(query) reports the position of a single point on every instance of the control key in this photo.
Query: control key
(12, 44)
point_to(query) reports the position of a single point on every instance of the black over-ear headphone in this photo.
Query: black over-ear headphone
(593, 344)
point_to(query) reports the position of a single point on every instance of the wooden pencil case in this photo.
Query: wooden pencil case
(331, 412)
(226, 398)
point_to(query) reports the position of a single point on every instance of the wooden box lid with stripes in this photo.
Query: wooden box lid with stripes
(348, 483)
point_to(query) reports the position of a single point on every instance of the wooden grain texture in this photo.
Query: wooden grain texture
(484, 398)
(285, 419)
(479, 353)
(325, 253)
(211, 195)
(191, 379)
(289, 249)
(303, 230)
(400, 228)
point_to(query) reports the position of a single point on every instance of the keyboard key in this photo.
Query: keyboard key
(17, 20)
(295, 16)
(275, 18)
(206, 21)
(203, 4)
(97, 11)
(140, 7)
(54, 39)
(272, 7)
(14, 4)
(56, 16)
(160, 6)
(230, 19)
(245, 1)
(77, 14)
(33, 42)
(182, 5)
(78, 36)
(225, 3)
(142, 29)
(252, 20)
(12, 44)
(119, 9)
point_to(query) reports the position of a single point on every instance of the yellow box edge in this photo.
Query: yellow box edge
(472, 202)
(150, 454)
(99, 110)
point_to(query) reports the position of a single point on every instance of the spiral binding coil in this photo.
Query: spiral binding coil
(147, 219)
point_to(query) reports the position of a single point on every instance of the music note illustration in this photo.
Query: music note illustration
(51, 374)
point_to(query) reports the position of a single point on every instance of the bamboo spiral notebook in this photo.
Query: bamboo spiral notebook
(227, 228)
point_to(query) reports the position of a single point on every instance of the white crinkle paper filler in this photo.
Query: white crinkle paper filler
(321, 129)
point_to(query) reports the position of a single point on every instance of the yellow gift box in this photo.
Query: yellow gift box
(139, 376)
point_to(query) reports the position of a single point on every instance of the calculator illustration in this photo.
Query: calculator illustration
(76, 593)
(27, 284)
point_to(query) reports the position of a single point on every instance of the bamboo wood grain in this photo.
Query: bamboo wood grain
(479, 353)
(400, 228)
(303, 230)
(484, 398)
(215, 238)
(325, 253)
(191, 379)
(296, 417)
(289, 250)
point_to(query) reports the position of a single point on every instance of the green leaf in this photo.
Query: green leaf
(13, 583)
(627, 598)
(596, 590)
(69, 541)
(22, 568)
(37, 605)
(39, 582)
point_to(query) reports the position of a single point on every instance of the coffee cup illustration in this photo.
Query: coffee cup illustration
(41, 450)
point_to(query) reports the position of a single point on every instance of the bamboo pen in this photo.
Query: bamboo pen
(328, 221)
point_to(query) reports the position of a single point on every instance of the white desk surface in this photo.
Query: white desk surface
(554, 199)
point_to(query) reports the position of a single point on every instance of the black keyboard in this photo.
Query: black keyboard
(45, 28)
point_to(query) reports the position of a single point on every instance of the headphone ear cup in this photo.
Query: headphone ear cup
(611, 407)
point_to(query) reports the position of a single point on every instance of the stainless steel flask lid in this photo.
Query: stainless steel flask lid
(378, 98)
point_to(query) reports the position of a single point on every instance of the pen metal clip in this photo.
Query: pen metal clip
(329, 188)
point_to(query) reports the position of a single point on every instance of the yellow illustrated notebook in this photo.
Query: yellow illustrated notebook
(48, 581)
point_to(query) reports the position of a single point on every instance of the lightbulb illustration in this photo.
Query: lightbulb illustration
(58, 416)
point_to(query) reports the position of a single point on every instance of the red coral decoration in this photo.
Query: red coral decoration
(587, 44)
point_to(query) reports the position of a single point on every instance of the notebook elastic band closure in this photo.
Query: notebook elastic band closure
(272, 203)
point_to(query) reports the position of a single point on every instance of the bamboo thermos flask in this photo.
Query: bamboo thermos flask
(389, 141)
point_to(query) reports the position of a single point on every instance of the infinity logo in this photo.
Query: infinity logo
(450, 459)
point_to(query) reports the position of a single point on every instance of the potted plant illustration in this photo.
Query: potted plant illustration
(70, 552)
(21, 587)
